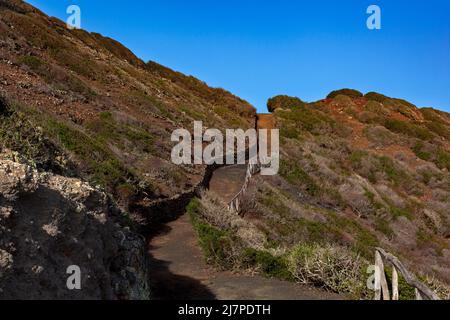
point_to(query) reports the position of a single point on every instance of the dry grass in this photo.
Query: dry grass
(216, 213)
(331, 267)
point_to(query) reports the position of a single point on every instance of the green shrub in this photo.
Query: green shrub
(270, 265)
(418, 150)
(443, 159)
(357, 156)
(103, 167)
(400, 212)
(374, 96)
(346, 92)
(365, 241)
(33, 62)
(382, 225)
(20, 133)
(376, 108)
(284, 102)
(392, 171)
(405, 291)
(108, 130)
(319, 232)
(408, 129)
(297, 176)
(439, 128)
(215, 243)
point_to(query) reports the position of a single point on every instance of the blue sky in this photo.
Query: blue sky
(258, 49)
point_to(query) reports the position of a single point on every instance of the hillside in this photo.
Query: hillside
(357, 172)
(90, 124)
(85, 174)
(108, 113)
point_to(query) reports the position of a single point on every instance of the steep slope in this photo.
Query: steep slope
(362, 171)
(357, 172)
(107, 111)
(90, 124)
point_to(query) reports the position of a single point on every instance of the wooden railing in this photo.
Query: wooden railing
(381, 285)
(253, 167)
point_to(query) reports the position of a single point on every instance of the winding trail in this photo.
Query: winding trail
(178, 269)
(178, 272)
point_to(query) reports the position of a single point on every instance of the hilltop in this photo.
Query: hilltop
(358, 171)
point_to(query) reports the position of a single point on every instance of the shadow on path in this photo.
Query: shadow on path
(166, 282)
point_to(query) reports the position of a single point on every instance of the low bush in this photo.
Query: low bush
(101, 166)
(270, 265)
(418, 149)
(408, 129)
(443, 159)
(374, 96)
(297, 176)
(284, 102)
(33, 62)
(347, 92)
(330, 267)
(20, 133)
(218, 245)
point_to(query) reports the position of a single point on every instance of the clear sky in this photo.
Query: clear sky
(258, 49)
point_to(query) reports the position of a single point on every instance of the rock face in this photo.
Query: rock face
(48, 223)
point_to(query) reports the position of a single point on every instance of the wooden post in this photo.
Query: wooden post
(383, 282)
(423, 290)
(418, 295)
(377, 277)
(395, 294)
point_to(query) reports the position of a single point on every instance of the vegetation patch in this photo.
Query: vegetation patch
(102, 167)
(418, 150)
(330, 267)
(443, 159)
(125, 136)
(215, 243)
(346, 92)
(297, 176)
(284, 102)
(270, 265)
(408, 129)
(374, 96)
(20, 133)
(382, 225)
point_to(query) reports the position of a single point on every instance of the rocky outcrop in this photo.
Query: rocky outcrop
(50, 222)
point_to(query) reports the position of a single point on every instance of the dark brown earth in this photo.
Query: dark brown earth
(178, 271)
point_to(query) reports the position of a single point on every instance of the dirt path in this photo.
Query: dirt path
(226, 182)
(178, 271)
